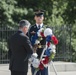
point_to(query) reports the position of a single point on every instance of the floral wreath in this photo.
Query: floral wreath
(49, 50)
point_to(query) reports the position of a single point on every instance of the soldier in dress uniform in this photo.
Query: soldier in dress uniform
(39, 17)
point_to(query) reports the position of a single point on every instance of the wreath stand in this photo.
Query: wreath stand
(53, 68)
(49, 63)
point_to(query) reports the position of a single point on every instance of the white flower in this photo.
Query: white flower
(33, 56)
(30, 60)
(39, 31)
(37, 42)
(35, 63)
(52, 46)
(47, 32)
(53, 51)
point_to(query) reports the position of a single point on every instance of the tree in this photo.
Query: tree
(58, 14)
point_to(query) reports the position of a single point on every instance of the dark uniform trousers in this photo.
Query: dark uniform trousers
(39, 51)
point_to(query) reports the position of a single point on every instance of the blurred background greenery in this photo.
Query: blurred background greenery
(60, 15)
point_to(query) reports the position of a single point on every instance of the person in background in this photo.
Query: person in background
(20, 50)
(39, 17)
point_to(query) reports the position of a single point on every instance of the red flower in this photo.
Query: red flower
(54, 39)
(42, 34)
(46, 60)
(41, 67)
(48, 44)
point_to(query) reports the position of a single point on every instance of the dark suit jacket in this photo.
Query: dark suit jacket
(19, 50)
(43, 42)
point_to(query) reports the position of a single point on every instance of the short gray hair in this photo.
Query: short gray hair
(23, 23)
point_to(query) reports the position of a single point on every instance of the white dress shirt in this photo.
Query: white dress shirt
(41, 25)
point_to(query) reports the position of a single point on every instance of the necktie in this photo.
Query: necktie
(38, 26)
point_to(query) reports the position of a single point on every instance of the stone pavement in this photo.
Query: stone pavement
(4, 70)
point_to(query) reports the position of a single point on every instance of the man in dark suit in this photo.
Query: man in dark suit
(20, 50)
(39, 17)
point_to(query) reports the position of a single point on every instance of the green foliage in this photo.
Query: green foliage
(58, 13)
(11, 13)
(3, 46)
(74, 43)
